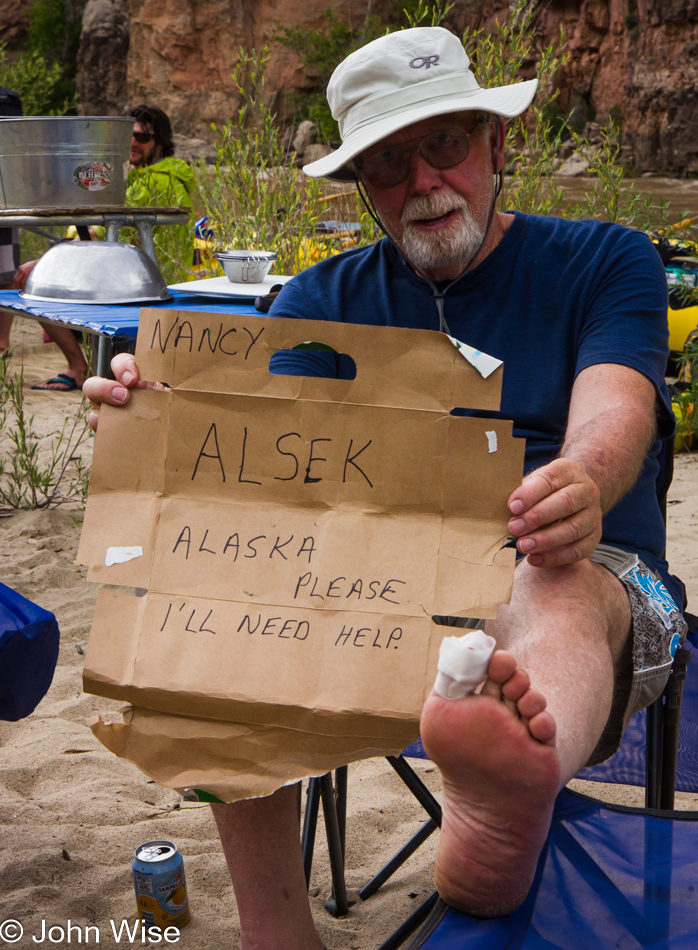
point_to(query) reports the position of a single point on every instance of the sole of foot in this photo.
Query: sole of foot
(500, 775)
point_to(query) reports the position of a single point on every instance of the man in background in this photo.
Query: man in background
(155, 171)
(156, 178)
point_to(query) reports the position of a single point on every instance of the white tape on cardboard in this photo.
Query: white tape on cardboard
(483, 362)
(121, 555)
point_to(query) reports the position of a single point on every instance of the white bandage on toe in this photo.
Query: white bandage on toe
(463, 664)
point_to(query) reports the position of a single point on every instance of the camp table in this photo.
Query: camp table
(113, 327)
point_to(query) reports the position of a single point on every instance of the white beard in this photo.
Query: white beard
(455, 244)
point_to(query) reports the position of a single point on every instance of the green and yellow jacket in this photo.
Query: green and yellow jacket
(168, 182)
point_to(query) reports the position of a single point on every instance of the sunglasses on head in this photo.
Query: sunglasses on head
(390, 166)
(143, 137)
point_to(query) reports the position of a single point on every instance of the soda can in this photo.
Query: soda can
(161, 890)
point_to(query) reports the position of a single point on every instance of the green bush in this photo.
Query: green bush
(257, 199)
(43, 71)
(686, 403)
(36, 81)
(39, 471)
(54, 33)
(319, 52)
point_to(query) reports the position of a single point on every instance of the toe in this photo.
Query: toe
(531, 704)
(502, 667)
(516, 686)
(542, 728)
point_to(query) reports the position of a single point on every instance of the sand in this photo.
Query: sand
(72, 814)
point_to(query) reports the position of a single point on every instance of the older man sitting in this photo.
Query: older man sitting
(577, 312)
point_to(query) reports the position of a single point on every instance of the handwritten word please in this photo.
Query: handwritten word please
(341, 587)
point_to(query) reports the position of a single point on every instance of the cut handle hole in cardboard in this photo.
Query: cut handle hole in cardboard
(313, 359)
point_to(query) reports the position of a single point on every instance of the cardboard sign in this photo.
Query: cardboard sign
(294, 537)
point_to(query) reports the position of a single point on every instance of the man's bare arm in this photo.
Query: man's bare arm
(610, 427)
(558, 508)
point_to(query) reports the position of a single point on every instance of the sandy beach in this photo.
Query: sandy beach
(72, 813)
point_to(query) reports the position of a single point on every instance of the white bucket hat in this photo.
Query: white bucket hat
(402, 78)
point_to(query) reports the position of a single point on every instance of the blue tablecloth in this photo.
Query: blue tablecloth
(119, 322)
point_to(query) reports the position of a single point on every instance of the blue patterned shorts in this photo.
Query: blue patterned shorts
(658, 630)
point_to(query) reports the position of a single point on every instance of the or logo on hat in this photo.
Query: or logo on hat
(426, 61)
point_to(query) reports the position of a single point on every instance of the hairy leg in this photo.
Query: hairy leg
(69, 346)
(501, 761)
(261, 843)
(568, 628)
(5, 327)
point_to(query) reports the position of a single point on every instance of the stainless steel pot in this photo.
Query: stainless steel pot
(64, 161)
(243, 267)
(97, 272)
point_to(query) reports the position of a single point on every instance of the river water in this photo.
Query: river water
(681, 193)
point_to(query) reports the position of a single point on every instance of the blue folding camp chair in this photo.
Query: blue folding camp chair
(623, 868)
(608, 877)
(29, 639)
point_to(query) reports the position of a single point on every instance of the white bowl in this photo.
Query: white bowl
(246, 267)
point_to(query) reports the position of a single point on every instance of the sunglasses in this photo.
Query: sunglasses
(387, 167)
(143, 137)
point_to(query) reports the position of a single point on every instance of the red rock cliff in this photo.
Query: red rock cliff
(638, 58)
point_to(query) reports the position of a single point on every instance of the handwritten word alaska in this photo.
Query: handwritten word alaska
(232, 545)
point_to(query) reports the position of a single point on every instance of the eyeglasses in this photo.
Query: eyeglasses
(387, 167)
(143, 137)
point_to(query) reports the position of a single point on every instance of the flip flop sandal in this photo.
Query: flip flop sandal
(68, 382)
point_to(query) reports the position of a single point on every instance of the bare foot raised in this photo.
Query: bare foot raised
(496, 753)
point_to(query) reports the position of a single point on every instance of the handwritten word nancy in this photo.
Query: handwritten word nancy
(233, 546)
(235, 341)
(298, 458)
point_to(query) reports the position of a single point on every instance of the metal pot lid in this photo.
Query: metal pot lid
(96, 272)
(100, 303)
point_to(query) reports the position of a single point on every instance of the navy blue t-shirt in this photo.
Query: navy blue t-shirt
(553, 298)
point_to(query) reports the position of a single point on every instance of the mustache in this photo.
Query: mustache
(434, 205)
